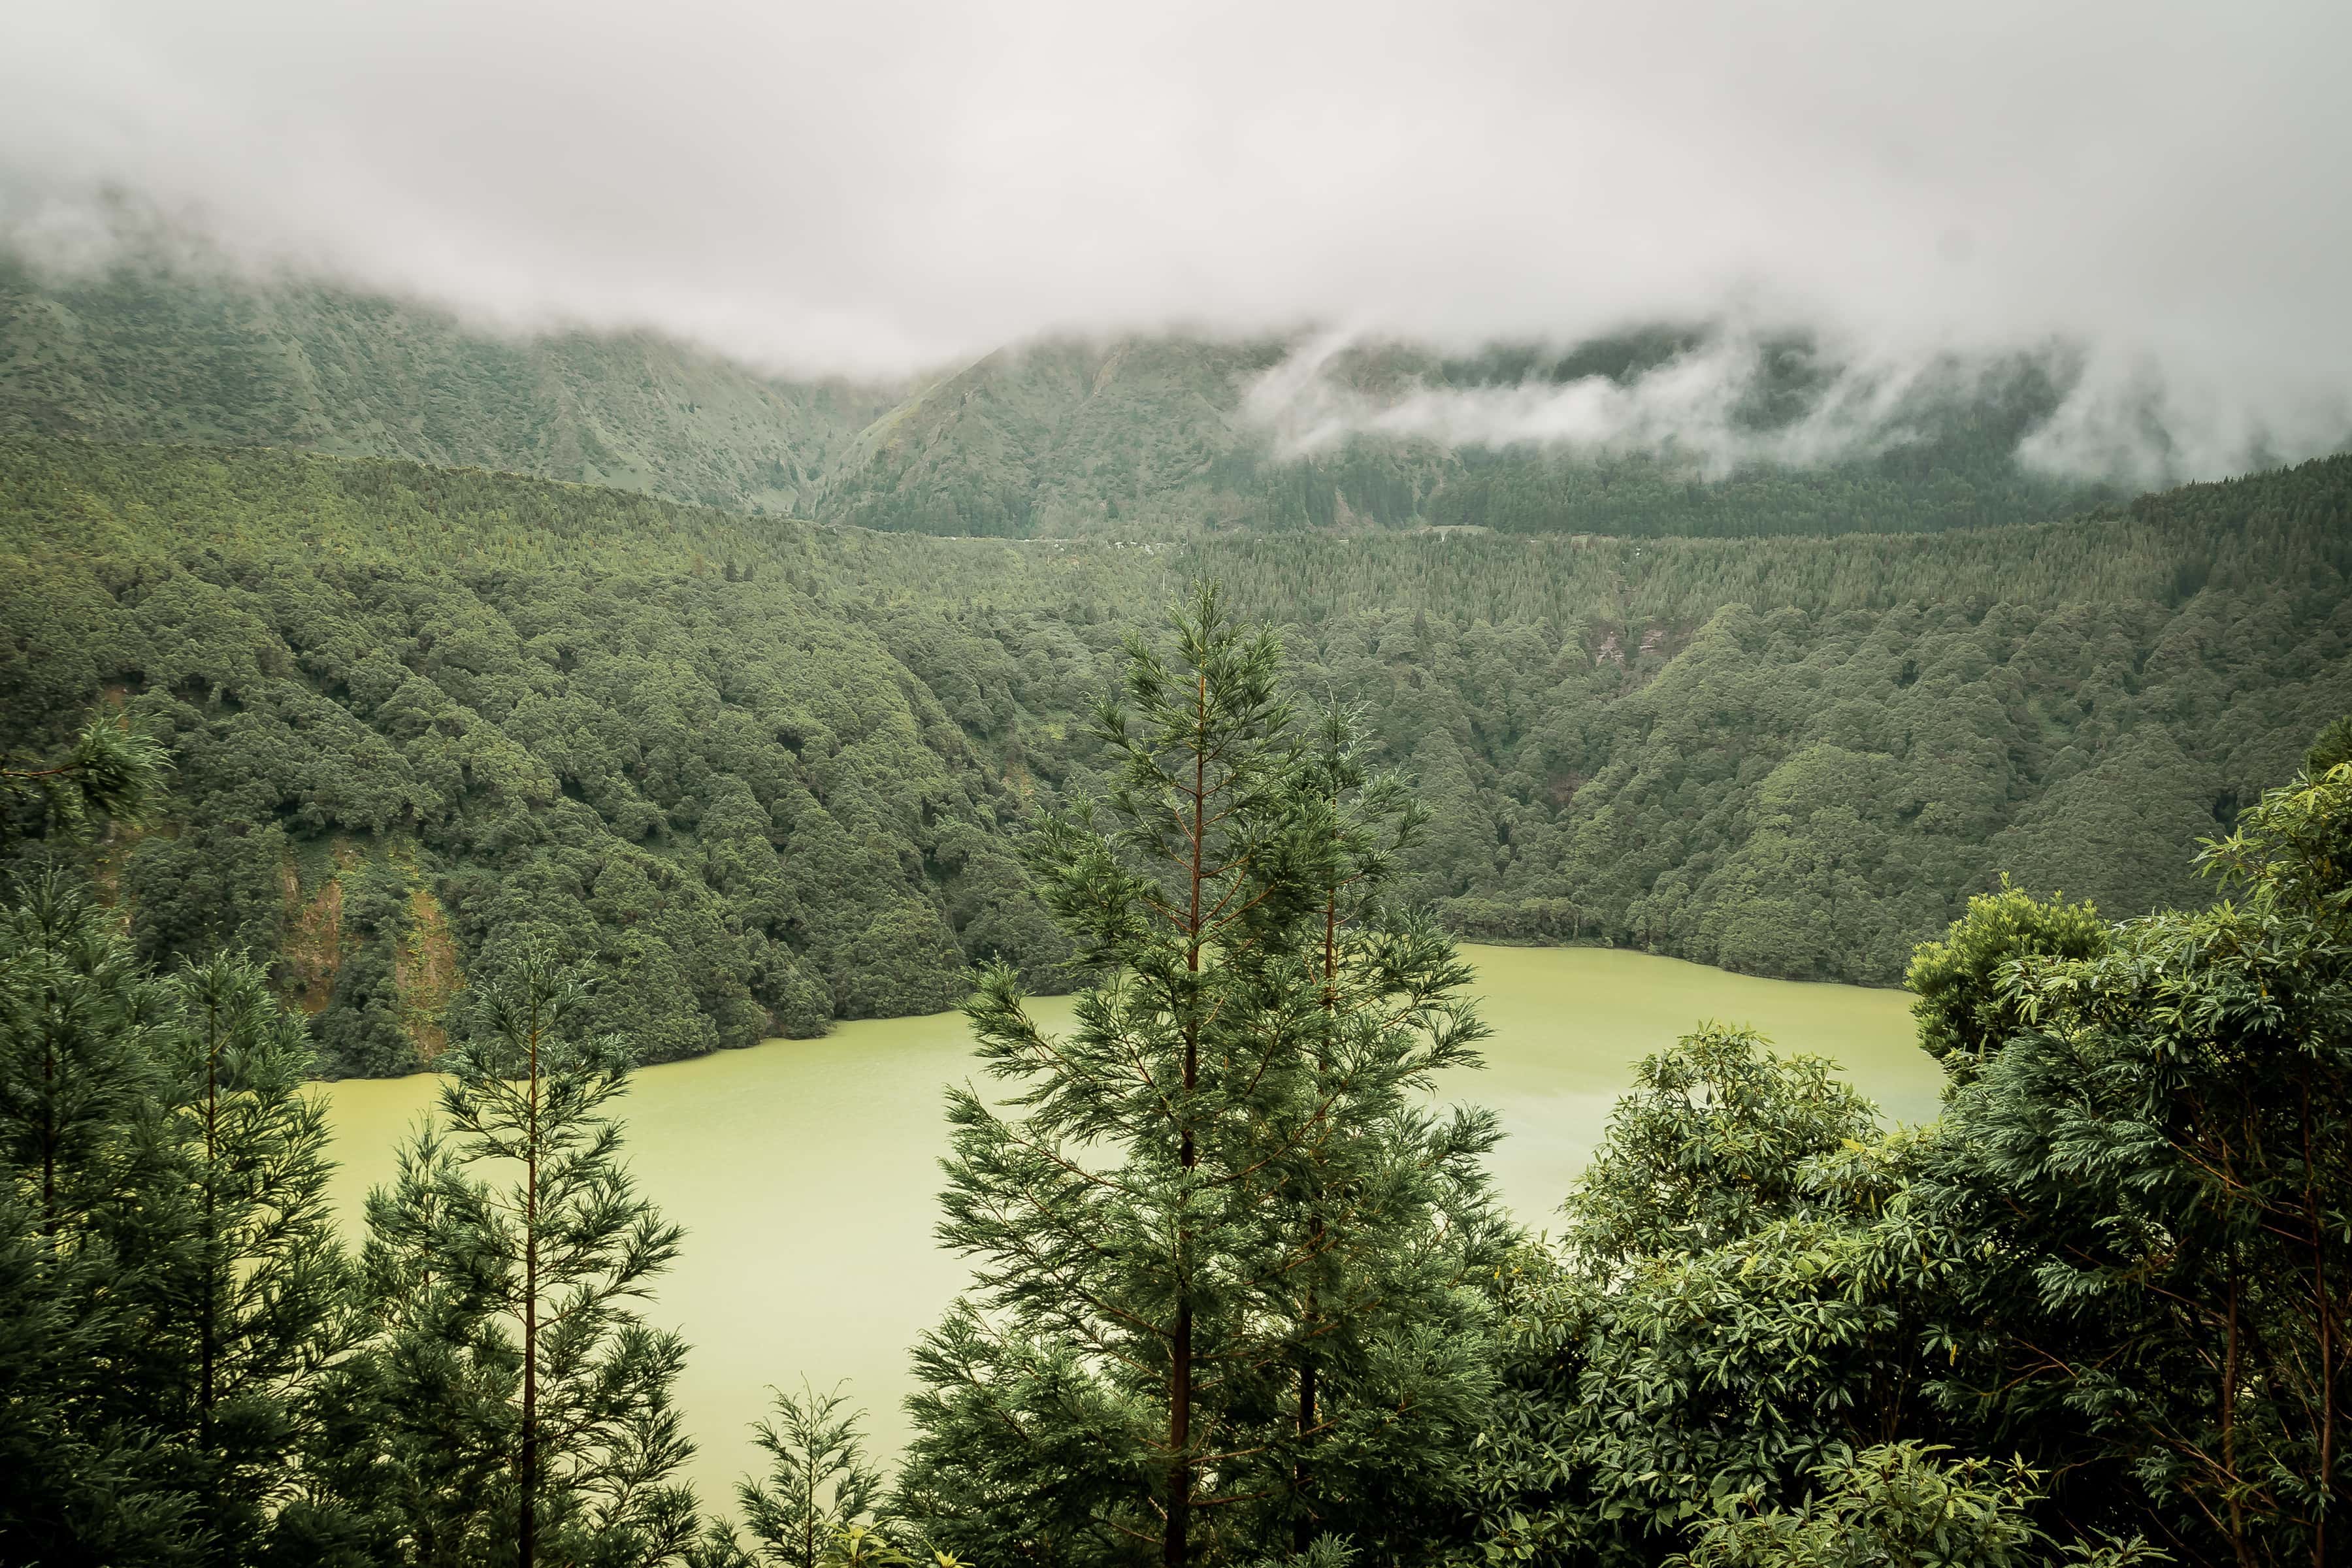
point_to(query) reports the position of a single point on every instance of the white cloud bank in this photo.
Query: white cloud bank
(874, 187)
(1690, 408)
(2117, 418)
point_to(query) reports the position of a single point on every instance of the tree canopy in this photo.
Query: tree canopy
(771, 771)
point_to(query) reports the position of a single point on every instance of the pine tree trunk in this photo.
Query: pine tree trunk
(1175, 1547)
(205, 1311)
(1303, 1528)
(527, 1468)
(527, 1471)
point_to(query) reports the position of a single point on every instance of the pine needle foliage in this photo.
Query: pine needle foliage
(109, 772)
(523, 1251)
(256, 1287)
(88, 1472)
(1382, 1206)
(76, 1016)
(1125, 1380)
(819, 1482)
(419, 1440)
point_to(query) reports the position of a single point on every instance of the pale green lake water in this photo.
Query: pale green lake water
(806, 1172)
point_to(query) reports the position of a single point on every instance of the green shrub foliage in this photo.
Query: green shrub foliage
(2115, 1260)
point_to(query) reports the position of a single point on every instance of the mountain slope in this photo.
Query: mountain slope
(148, 353)
(771, 771)
(1153, 437)
(1143, 437)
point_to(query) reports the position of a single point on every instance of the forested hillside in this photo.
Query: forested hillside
(153, 352)
(1151, 439)
(1147, 438)
(772, 773)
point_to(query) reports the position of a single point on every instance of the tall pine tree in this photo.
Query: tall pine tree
(1382, 1207)
(1131, 1377)
(246, 1273)
(90, 1473)
(418, 1440)
(508, 1265)
(75, 1061)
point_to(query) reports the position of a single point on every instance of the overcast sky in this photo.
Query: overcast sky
(877, 186)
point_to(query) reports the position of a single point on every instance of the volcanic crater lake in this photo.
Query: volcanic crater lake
(806, 1171)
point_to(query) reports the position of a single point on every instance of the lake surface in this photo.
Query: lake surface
(806, 1172)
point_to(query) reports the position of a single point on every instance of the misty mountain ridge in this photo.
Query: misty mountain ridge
(1697, 429)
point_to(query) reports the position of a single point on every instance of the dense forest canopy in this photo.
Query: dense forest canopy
(1158, 436)
(159, 350)
(769, 770)
(1145, 438)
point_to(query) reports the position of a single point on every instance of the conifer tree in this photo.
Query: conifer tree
(243, 1261)
(1381, 1207)
(73, 1488)
(1128, 1376)
(417, 1438)
(75, 1066)
(88, 1475)
(526, 1249)
(818, 1484)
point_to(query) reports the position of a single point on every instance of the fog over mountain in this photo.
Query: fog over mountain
(1706, 402)
(2150, 191)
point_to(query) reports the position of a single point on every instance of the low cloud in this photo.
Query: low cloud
(2127, 423)
(2133, 419)
(1697, 408)
(881, 189)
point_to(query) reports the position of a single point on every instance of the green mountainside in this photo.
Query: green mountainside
(771, 772)
(1148, 438)
(149, 353)
(1142, 437)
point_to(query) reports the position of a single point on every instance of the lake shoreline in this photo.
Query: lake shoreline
(1533, 944)
(807, 1178)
